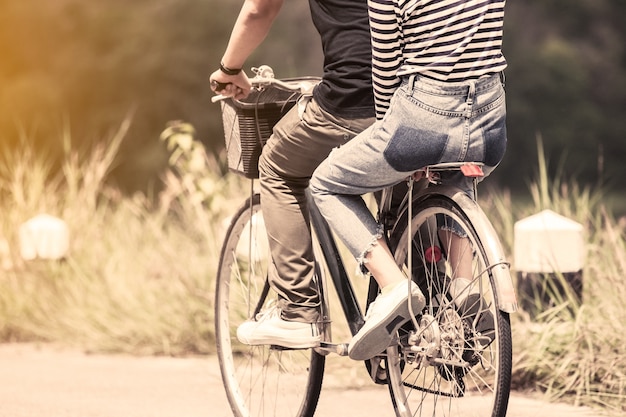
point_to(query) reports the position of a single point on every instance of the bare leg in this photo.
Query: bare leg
(382, 265)
(459, 252)
(465, 291)
(398, 301)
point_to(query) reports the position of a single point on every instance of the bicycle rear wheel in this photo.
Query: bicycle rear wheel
(259, 380)
(454, 364)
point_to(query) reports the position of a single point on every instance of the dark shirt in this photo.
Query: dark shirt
(346, 87)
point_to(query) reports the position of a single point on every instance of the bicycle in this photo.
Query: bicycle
(438, 365)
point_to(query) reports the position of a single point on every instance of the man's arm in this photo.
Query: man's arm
(251, 27)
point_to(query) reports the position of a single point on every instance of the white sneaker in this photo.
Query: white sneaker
(383, 319)
(269, 328)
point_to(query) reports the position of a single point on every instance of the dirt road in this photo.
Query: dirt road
(45, 381)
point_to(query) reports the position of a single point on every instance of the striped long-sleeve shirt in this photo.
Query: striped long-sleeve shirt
(448, 40)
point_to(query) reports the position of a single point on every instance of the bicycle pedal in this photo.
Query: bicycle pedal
(340, 349)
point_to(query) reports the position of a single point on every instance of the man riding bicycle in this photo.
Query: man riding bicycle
(340, 107)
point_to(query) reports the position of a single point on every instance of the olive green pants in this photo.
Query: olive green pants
(300, 142)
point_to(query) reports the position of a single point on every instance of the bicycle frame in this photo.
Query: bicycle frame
(498, 264)
(345, 292)
(451, 347)
(337, 270)
(499, 267)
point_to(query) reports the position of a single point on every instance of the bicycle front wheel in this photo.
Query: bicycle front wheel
(457, 360)
(259, 380)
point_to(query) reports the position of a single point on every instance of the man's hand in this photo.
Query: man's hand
(235, 86)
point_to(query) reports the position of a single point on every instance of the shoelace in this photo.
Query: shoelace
(270, 312)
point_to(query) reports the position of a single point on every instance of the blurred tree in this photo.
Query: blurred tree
(565, 82)
(82, 66)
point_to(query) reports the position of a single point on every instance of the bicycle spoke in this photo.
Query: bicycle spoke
(259, 380)
(448, 372)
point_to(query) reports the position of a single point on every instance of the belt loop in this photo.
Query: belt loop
(470, 98)
(412, 79)
(502, 78)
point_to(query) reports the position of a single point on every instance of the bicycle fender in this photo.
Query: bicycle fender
(500, 267)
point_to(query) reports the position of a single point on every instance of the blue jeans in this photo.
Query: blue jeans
(428, 122)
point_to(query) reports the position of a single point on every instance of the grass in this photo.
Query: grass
(140, 274)
(568, 348)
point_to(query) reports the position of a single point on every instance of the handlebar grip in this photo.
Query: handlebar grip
(218, 86)
(217, 98)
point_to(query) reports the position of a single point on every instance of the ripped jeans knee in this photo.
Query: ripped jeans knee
(362, 258)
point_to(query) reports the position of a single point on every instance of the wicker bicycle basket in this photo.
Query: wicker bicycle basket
(248, 125)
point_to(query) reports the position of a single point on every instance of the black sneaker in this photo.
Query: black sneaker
(479, 326)
(479, 332)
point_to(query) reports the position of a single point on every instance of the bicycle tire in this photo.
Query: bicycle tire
(428, 387)
(259, 380)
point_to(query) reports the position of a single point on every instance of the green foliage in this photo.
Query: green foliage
(140, 274)
(139, 277)
(566, 83)
(83, 65)
(568, 348)
(572, 350)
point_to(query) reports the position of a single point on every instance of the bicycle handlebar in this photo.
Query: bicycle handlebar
(265, 77)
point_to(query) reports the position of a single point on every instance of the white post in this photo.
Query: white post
(548, 246)
(45, 237)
